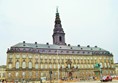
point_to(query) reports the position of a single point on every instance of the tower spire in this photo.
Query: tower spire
(58, 33)
(57, 9)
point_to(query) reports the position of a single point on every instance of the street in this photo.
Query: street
(114, 81)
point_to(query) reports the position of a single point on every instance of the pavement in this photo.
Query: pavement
(113, 81)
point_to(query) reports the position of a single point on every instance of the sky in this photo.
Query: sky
(85, 22)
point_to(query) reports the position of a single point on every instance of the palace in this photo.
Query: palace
(2, 72)
(33, 61)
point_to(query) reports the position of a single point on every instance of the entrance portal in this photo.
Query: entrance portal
(70, 74)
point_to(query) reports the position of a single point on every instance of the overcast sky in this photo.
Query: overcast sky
(85, 22)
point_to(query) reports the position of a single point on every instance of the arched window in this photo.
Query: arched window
(30, 65)
(17, 65)
(60, 38)
(24, 64)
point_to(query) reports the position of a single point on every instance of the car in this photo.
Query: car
(106, 78)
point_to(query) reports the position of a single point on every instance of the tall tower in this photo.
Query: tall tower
(58, 33)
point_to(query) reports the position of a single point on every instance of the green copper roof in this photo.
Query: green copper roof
(51, 46)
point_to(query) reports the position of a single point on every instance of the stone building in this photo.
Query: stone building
(32, 61)
(2, 73)
(116, 68)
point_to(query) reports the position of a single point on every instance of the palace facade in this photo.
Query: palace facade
(2, 73)
(32, 61)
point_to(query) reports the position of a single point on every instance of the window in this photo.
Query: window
(3, 74)
(36, 74)
(92, 66)
(41, 74)
(24, 64)
(41, 66)
(88, 66)
(36, 56)
(70, 58)
(10, 66)
(30, 74)
(69, 66)
(74, 66)
(36, 66)
(30, 65)
(41, 57)
(108, 65)
(17, 56)
(50, 66)
(112, 66)
(30, 56)
(17, 65)
(54, 66)
(45, 66)
(16, 74)
(105, 65)
(23, 56)
(85, 66)
(81, 66)
(101, 65)
(62, 66)
(45, 57)
(58, 66)
(10, 56)
(9, 74)
(23, 74)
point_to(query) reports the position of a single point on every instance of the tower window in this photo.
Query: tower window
(60, 39)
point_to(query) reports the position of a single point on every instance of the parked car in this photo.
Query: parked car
(106, 78)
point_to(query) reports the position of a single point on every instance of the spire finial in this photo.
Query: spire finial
(57, 9)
